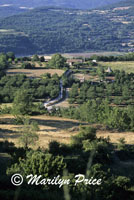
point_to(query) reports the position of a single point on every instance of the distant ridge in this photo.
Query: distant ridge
(122, 3)
(50, 30)
(78, 4)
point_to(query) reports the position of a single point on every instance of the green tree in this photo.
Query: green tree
(3, 61)
(86, 133)
(23, 103)
(27, 65)
(101, 73)
(42, 59)
(28, 134)
(57, 61)
(10, 55)
(35, 58)
(39, 163)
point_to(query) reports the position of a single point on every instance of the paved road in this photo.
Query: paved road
(57, 101)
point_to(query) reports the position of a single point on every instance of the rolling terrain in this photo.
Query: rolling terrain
(77, 4)
(49, 30)
(6, 11)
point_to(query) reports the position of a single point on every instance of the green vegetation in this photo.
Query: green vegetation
(118, 90)
(27, 65)
(106, 100)
(45, 87)
(3, 64)
(84, 4)
(28, 134)
(51, 30)
(124, 57)
(127, 66)
(85, 155)
(22, 103)
(57, 62)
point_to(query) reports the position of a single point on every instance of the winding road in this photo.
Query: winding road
(55, 102)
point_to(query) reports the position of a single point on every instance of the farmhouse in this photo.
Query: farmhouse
(47, 58)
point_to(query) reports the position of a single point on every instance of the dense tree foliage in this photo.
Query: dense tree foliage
(27, 65)
(118, 90)
(125, 57)
(51, 30)
(23, 103)
(18, 6)
(57, 61)
(45, 87)
(3, 62)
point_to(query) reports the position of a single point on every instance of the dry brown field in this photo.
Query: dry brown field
(51, 128)
(115, 136)
(34, 73)
(54, 129)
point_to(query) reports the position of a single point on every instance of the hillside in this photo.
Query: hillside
(6, 11)
(50, 30)
(81, 4)
(123, 3)
(10, 8)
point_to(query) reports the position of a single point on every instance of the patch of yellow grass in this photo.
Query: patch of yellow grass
(127, 66)
(51, 128)
(54, 129)
(34, 72)
(115, 136)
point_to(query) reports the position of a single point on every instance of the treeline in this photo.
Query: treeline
(125, 57)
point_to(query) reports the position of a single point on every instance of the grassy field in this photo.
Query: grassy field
(115, 136)
(34, 73)
(127, 66)
(51, 128)
(54, 128)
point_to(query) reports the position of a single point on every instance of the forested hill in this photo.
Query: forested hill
(6, 11)
(80, 4)
(50, 30)
(123, 3)
(12, 7)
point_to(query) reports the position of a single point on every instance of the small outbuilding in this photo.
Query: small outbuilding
(109, 70)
